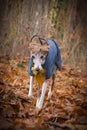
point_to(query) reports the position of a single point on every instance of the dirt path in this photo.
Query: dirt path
(67, 109)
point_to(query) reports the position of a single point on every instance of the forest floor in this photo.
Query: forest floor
(66, 110)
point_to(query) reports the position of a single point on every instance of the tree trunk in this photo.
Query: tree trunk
(62, 20)
(75, 36)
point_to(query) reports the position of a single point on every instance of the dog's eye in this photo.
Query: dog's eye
(41, 57)
(33, 57)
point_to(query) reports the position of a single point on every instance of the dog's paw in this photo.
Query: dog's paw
(30, 96)
(39, 105)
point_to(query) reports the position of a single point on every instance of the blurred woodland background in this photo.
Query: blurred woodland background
(65, 21)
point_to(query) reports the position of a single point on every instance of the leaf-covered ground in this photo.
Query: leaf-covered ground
(66, 110)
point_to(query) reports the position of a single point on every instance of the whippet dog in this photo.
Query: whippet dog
(42, 66)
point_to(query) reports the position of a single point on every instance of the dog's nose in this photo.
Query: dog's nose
(37, 69)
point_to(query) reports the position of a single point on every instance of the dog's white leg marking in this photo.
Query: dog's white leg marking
(49, 93)
(51, 87)
(41, 100)
(37, 101)
(30, 94)
(38, 95)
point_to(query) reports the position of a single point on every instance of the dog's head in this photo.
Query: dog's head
(39, 58)
(38, 53)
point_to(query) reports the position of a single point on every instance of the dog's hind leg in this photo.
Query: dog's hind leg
(30, 94)
(39, 104)
(51, 87)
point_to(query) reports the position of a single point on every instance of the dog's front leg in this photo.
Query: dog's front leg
(38, 94)
(30, 94)
(39, 103)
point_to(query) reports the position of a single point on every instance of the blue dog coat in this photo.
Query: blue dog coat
(53, 58)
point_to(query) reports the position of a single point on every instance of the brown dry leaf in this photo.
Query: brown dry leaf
(78, 110)
(25, 82)
(78, 83)
(81, 127)
(84, 105)
(2, 88)
(67, 104)
(69, 108)
(27, 124)
(17, 82)
(82, 120)
(21, 106)
(60, 105)
(24, 91)
(34, 102)
(4, 124)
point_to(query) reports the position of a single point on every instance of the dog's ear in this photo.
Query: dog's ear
(45, 52)
(45, 47)
(34, 45)
(30, 48)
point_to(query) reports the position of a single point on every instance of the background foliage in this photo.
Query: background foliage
(63, 20)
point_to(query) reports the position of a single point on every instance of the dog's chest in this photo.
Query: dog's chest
(40, 77)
